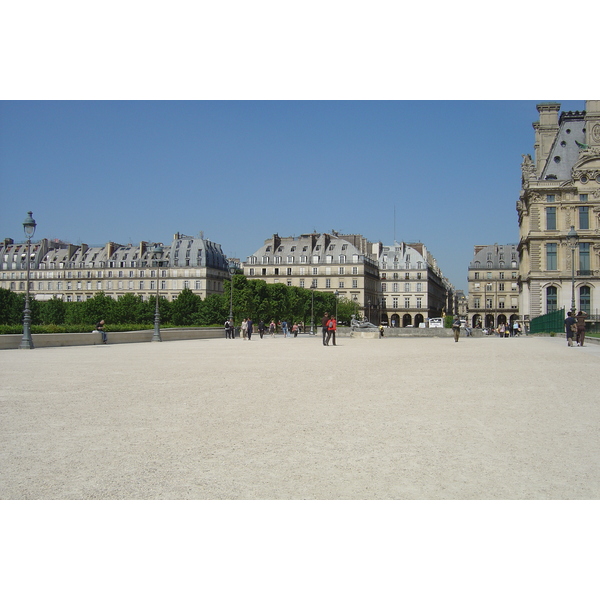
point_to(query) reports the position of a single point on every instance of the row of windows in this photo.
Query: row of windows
(265, 260)
(584, 298)
(397, 276)
(489, 303)
(501, 275)
(583, 213)
(301, 271)
(584, 256)
(102, 274)
(395, 287)
(552, 197)
(109, 285)
(489, 287)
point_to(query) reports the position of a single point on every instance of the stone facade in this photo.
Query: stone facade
(326, 262)
(561, 190)
(412, 286)
(398, 285)
(75, 273)
(493, 286)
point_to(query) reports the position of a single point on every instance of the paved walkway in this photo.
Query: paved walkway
(484, 418)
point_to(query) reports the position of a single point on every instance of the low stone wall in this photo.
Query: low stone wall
(45, 340)
(394, 332)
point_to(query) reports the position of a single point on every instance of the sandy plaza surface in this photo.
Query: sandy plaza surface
(390, 419)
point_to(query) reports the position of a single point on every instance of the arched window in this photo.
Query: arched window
(551, 299)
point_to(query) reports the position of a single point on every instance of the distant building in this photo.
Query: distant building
(493, 285)
(462, 304)
(75, 273)
(412, 286)
(561, 190)
(325, 262)
(399, 285)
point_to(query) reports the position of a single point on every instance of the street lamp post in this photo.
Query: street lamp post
(232, 269)
(336, 294)
(29, 226)
(313, 287)
(572, 239)
(158, 252)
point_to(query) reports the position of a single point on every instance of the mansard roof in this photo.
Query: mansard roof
(566, 146)
(495, 256)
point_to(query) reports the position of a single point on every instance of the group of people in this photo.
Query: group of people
(247, 329)
(575, 327)
(329, 325)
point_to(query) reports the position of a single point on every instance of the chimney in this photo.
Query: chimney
(545, 133)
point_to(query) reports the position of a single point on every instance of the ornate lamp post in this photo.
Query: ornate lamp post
(313, 287)
(572, 239)
(157, 253)
(232, 269)
(29, 226)
(336, 294)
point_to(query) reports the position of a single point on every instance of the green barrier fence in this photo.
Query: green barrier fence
(550, 322)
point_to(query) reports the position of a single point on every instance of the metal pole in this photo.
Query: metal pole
(27, 341)
(573, 280)
(156, 335)
(312, 311)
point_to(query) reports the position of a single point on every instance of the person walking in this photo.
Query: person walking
(249, 328)
(570, 328)
(100, 328)
(331, 328)
(295, 329)
(228, 330)
(272, 329)
(261, 328)
(456, 328)
(324, 321)
(244, 328)
(581, 315)
(381, 331)
(284, 328)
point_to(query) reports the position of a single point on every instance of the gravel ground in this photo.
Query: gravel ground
(485, 418)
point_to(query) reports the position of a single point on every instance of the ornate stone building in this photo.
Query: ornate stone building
(75, 273)
(399, 285)
(561, 191)
(326, 262)
(493, 286)
(411, 284)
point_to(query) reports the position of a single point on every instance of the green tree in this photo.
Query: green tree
(53, 312)
(213, 310)
(11, 307)
(99, 306)
(184, 309)
(129, 308)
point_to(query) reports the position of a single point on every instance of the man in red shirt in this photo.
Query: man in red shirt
(331, 327)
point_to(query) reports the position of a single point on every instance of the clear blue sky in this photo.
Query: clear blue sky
(240, 171)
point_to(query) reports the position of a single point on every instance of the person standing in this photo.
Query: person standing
(295, 329)
(284, 328)
(244, 328)
(272, 329)
(381, 331)
(331, 328)
(100, 328)
(456, 328)
(324, 322)
(581, 315)
(261, 328)
(570, 328)
(227, 329)
(249, 328)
